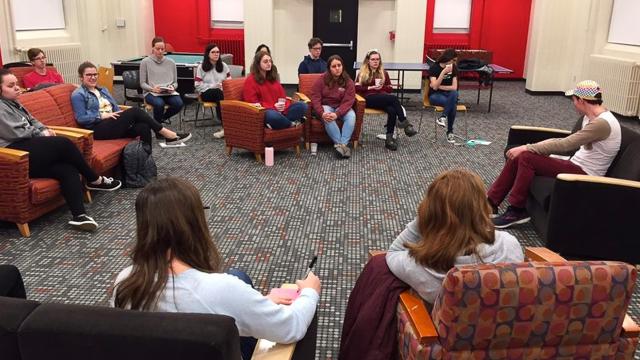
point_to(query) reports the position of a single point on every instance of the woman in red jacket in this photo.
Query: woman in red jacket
(263, 87)
(332, 98)
(374, 85)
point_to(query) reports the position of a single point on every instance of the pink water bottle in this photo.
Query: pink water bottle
(268, 155)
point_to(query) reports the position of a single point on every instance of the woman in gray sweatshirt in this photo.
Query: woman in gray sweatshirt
(159, 81)
(453, 228)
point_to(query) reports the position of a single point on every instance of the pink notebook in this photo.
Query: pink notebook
(286, 293)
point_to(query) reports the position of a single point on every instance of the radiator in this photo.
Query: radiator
(620, 82)
(232, 46)
(66, 58)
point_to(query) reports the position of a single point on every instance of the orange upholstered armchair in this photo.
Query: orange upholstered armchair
(547, 308)
(244, 124)
(313, 128)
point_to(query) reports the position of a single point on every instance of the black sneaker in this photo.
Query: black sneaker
(410, 131)
(512, 216)
(180, 138)
(107, 184)
(390, 143)
(83, 223)
(494, 209)
(401, 124)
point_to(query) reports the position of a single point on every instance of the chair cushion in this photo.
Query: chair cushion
(106, 154)
(43, 190)
(541, 189)
(43, 107)
(12, 314)
(61, 94)
(534, 305)
(626, 165)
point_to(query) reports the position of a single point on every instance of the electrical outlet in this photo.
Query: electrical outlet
(120, 22)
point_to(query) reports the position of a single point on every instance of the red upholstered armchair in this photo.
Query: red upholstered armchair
(23, 199)
(244, 124)
(546, 309)
(313, 128)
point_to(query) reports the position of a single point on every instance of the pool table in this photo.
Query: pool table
(186, 64)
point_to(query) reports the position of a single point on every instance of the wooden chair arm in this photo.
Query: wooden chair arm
(76, 137)
(12, 154)
(301, 97)
(629, 328)
(599, 180)
(541, 253)
(359, 98)
(537, 128)
(419, 317)
(84, 132)
(268, 350)
(237, 104)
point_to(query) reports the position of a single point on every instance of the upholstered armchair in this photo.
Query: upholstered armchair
(587, 217)
(545, 309)
(313, 128)
(244, 124)
(23, 199)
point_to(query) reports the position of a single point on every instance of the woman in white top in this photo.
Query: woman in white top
(177, 268)
(453, 228)
(209, 77)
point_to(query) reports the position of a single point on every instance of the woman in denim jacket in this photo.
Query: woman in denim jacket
(95, 109)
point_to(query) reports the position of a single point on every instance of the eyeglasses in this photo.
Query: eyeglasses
(91, 75)
(40, 58)
(317, 48)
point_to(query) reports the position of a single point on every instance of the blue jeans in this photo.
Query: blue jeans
(247, 343)
(448, 100)
(333, 130)
(158, 102)
(278, 120)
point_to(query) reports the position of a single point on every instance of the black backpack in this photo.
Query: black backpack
(138, 166)
(470, 64)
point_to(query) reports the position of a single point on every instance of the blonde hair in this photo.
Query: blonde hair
(366, 75)
(453, 219)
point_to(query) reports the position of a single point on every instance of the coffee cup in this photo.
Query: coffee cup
(378, 82)
(282, 101)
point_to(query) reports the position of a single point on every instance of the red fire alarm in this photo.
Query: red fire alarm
(392, 35)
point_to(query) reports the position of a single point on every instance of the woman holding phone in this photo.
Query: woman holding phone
(263, 87)
(177, 268)
(443, 80)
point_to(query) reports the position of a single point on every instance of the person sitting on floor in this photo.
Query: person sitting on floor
(332, 98)
(313, 63)
(50, 156)
(95, 109)
(40, 76)
(598, 142)
(159, 81)
(263, 87)
(453, 228)
(374, 85)
(208, 81)
(443, 80)
(177, 268)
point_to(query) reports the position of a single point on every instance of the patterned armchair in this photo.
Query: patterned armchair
(313, 128)
(244, 124)
(532, 310)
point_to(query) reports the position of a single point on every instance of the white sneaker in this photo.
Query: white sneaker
(384, 136)
(442, 121)
(219, 134)
(451, 138)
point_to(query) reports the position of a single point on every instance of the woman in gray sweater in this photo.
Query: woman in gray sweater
(453, 228)
(159, 81)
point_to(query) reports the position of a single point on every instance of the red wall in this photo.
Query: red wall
(186, 25)
(501, 26)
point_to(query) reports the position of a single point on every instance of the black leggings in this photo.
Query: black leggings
(131, 123)
(214, 95)
(11, 284)
(391, 105)
(58, 158)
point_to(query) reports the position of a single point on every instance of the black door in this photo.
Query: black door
(336, 23)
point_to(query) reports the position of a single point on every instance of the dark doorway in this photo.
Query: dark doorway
(336, 23)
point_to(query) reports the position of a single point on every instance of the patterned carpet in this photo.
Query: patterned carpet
(269, 221)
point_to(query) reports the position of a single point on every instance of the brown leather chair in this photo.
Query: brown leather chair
(244, 124)
(313, 128)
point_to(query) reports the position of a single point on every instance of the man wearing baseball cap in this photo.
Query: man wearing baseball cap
(598, 142)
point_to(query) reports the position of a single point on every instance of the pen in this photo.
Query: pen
(311, 264)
